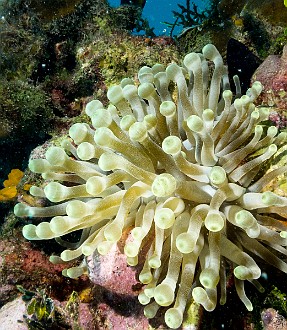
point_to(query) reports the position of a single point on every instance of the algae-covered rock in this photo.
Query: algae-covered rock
(109, 55)
(25, 115)
(20, 51)
(24, 110)
(108, 52)
(273, 11)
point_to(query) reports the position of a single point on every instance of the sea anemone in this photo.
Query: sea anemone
(178, 159)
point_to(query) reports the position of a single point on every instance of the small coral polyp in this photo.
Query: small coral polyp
(177, 158)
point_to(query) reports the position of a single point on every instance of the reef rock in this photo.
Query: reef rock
(272, 73)
(112, 272)
(273, 320)
(11, 315)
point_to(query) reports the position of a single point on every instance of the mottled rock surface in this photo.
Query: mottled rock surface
(272, 73)
(11, 315)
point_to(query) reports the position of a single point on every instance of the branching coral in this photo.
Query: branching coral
(179, 160)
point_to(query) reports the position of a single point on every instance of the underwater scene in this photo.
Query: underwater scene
(143, 164)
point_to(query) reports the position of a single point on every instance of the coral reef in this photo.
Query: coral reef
(273, 75)
(21, 49)
(178, 161)
(129, 17)
(259, 25)
(279, 120)
(107, 56)
(45, 74)
(52, 61)
(23, 107)
(12, 315)
(272, 11)
(22, 264)
(272, 320)
(25, 118)
(39, 311)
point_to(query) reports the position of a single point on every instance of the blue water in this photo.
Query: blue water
(158, 11)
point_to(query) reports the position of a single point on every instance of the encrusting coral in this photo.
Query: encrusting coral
(177, 158)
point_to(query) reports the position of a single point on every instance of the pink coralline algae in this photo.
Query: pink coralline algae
(279, 120)
(112, 272)
(23, 264)
(272, 320)
(272, 73)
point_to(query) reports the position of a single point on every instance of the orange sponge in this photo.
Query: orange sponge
(10, 191)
